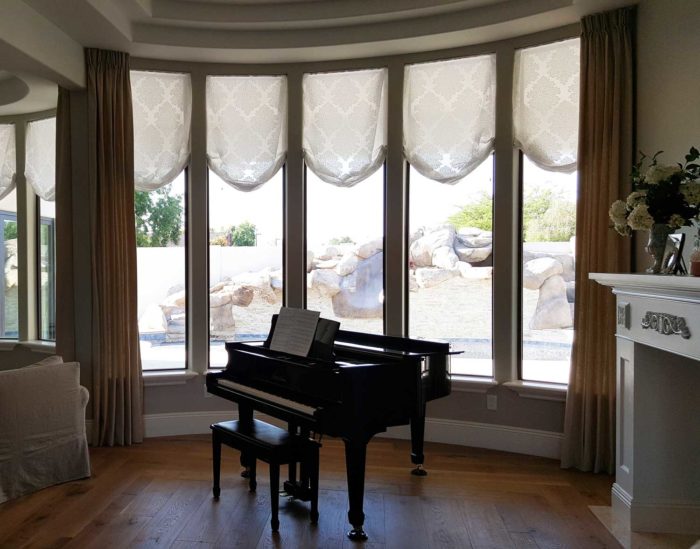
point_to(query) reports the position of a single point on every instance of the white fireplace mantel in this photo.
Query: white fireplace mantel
(657, 477)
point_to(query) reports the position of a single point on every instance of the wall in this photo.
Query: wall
(668, 86)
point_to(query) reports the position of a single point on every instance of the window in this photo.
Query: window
(245, 262)
(47, 269)
(545, 120)
(458, 285)
(9, 267)
(40, 171)
(160, 259)
(344, 236)
(162, 104)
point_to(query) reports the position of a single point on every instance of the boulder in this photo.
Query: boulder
(428, 277)
(325, 264)
(444, 257)
(470, 231)
(415, 235)
(221, 319)
(347, 264)
(361, 292)
(368, 249)
(474, 273)
(217, 299)
(276, 280)
(474, 241)
(471, 255)
(329, 252)
(536, 271)
(571, 291)
(152, 319)
(176, 289)
(324, 281)
(421, 251)
(242, 296)
(218, 286)
(309, 260)
(552, 311)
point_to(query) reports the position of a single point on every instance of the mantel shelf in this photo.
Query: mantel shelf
(658, 283)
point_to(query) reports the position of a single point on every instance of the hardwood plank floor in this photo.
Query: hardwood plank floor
(158, 494)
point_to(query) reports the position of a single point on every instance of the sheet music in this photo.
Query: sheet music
(294, 331)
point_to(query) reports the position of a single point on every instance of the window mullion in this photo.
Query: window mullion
(506, 262)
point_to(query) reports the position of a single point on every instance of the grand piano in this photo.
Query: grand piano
(371, 382)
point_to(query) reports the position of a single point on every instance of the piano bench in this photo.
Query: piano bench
(274, 446)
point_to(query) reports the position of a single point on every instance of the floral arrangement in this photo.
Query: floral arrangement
(662, 194)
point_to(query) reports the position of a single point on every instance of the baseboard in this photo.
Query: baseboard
(463, 433)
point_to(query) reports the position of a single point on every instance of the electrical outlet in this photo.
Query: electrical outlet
(491, 402)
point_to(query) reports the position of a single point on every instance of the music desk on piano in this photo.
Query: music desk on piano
(373, 382)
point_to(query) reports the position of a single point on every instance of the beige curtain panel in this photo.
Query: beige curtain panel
(605, 157)
(8, 159)
(65, 311)
(117, 393)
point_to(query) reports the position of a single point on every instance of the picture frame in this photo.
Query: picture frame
(673, 255)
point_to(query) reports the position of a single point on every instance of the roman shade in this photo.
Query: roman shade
(449, 116)
(40, 164)
(8, 160)
(545, 104)
(345, 124)
(246, 128)
(162, 106)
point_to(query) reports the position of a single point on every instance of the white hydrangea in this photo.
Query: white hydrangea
(624, 230)
(658, 173)
(636, 198)
(618, 212)
(639, 219)
(676, 221)
(691, 192)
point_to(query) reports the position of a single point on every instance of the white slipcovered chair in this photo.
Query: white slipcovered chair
(42, 427)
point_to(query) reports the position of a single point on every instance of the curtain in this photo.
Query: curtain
(449, 116)
(605, 157)
(345, 125)
(65, 319)
(8, 159)
(246, 128)
(546, 104)
(117, 394)
(162, 106)
(40, 167)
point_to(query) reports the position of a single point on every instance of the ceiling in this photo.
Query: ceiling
(45, 38)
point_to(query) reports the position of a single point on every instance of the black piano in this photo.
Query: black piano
(371, 383)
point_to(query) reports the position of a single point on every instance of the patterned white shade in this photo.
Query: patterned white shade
(162, 106)
(545, 104)
(40, 163)
(246, 128)
(8, 160)
(345, 126)
(449, 116)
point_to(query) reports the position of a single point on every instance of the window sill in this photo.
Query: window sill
(539, 391)
(466, 384)
(157, 379)
(7, 344)
(48, 347)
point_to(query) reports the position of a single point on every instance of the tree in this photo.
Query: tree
(10, 230)
(243, 234)
(478, 214)
(158, 218)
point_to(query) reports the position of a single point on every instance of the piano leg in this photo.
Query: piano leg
(245, 415)
(355, 454)
(417, 441)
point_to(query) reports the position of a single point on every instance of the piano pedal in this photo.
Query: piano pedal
(419, 471)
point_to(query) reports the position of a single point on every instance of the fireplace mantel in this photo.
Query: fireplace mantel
(657, 477)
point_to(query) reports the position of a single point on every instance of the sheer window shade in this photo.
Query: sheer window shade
(449, 116)
(345, 127)
(162, 107)
(40, 163)
(545, 104)
(8, 161)
(246, 128)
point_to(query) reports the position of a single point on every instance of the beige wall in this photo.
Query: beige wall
(668, 85)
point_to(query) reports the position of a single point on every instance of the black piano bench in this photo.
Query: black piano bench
(275, 446)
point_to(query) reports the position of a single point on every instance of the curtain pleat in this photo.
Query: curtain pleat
(65, 318)
(605, 157)
(8, 159)
(117, 382)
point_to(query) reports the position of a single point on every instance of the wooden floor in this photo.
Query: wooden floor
(158, 494)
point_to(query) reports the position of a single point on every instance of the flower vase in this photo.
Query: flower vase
(656, 247)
